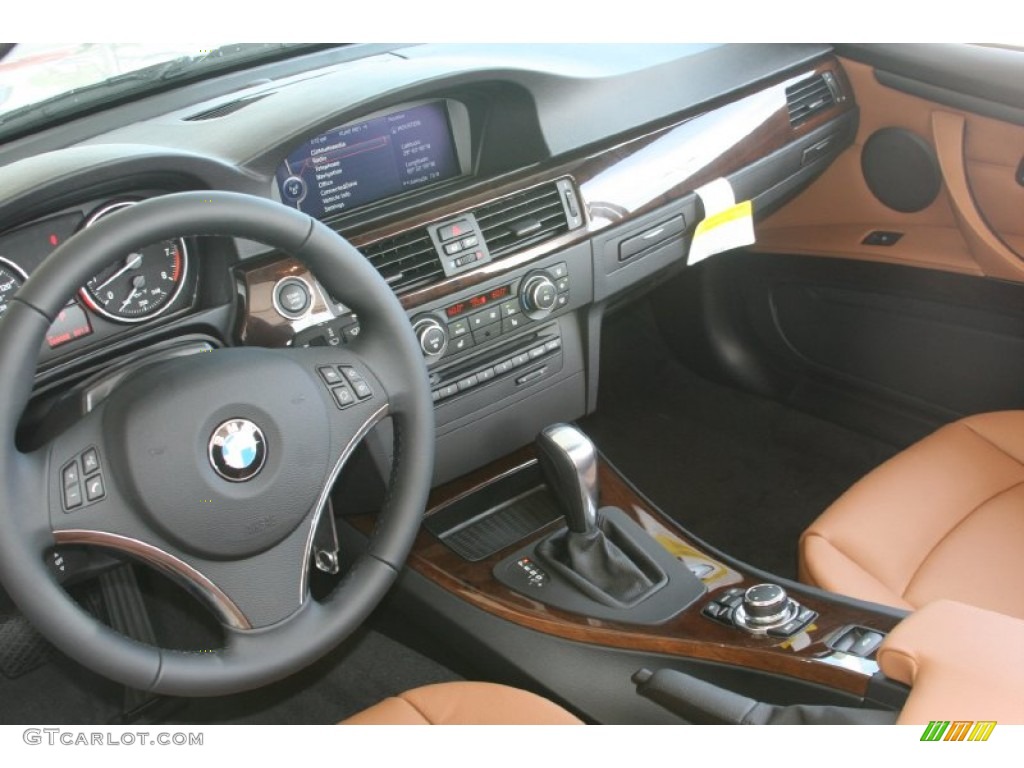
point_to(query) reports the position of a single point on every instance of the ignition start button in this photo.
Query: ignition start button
(292, 297)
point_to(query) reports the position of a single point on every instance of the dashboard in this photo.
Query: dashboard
(508, 194)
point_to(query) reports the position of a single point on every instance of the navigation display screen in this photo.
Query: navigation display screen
(370, 160)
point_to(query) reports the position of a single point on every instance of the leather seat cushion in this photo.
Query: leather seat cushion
(464, 703)
(942, 519)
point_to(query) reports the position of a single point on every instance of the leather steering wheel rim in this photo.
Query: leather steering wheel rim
(387, 348)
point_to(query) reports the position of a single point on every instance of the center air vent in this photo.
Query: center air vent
(524, 219)
(406, 260)
(811, 95)
(227, 108)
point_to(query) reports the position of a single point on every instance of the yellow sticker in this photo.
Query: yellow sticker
(738, 211)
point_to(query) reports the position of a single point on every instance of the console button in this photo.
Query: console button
(458, 328)
(458, 345)
(452, 248)
(94, 488)
(518, 360)
(487, 333)
(485, 375)
(510, 324)
(455, 229)
(503, 367)
(562, 284)
(467, 382)
(562, 300)
(552, 345)
(71, 475)
(91, 461)
(559, 270)
(485, 317)
(866, 644)
(509, 308)
(469, 242)
(536, 352)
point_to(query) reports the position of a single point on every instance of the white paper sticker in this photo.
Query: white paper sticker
(726, 224)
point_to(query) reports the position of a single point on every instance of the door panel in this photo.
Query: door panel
(978, 229)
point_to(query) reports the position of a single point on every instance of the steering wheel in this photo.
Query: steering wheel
(214, 467)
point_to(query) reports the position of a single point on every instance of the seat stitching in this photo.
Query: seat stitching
(852, 560)
(950, 532)
(988, 440)
(419, 711)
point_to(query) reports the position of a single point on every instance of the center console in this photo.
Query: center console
(479, 564)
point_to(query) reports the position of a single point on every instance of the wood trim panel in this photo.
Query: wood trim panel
(617, 182)
(688, 635)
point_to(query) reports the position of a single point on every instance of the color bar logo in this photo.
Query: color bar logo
(958, 730)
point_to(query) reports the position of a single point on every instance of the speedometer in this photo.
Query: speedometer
(141, 285)
(11, 279)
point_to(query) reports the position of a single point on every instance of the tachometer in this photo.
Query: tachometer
(11, 279)
(142, 284)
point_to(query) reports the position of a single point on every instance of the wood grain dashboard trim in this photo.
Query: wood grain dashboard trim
(617, 182)
(805, 656)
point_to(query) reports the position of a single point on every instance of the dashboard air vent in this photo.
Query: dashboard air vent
(810, 96)
(227, 108)
(523, 219)
(406, 260)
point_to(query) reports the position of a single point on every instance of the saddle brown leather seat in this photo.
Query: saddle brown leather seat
(464, 703)
(944, 519)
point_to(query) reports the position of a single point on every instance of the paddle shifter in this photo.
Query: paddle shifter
(569, 461)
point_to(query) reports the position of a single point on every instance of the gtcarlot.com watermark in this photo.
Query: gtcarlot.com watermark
(71, 737)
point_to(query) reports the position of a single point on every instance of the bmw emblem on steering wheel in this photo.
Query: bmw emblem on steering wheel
(238, 450)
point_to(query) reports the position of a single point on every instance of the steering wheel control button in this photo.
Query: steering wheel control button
(91, 461)
(71, 475)
(238, 450)
(358, 383)
(73, 496)
(292, 298)
(94, 488)
(330, 374)
(343, 396)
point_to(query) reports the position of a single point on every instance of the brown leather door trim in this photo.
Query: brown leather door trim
(991, 253)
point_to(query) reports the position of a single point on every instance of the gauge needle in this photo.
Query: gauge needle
(133, 262)
(138, 283)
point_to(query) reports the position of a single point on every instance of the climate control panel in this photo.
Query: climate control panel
(489, 316)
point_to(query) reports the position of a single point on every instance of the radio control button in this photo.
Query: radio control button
(485, 375)
(503, 367)
(518, 360)
(469, 381)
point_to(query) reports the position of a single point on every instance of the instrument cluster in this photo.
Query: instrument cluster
(135, 288)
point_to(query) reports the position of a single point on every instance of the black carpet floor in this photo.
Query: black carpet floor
(741, 472)
(366, 669)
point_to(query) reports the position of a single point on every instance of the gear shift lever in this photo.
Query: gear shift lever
(569, 461)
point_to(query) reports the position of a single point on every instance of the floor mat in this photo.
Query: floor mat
(366, 669)
(744, 473)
